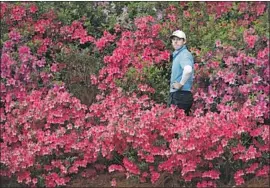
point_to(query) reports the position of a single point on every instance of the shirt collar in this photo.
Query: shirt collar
(180, 49)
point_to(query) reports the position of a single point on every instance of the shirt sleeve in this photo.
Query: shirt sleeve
(186, 59)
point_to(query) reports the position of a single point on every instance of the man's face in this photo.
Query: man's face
(177, 42)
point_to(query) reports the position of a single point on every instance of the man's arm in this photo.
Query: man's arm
(186, 75)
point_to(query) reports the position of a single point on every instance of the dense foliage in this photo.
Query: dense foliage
(81, 89)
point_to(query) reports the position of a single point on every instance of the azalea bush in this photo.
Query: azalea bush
(201, 150)
(51, 129)
(100, 16)
(37, 112)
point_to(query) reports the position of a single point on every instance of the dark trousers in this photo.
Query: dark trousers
(182, 99)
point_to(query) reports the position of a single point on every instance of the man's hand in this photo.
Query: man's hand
(177, 85)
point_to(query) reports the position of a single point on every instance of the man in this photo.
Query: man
(182, 73)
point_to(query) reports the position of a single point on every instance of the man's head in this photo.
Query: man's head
(178, 39)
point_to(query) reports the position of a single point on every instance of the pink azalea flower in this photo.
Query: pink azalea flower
(33, 8)
(113, 182)
(54, 67)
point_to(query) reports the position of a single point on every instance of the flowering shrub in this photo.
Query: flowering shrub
(44, 131)
(207, 146)
(198, 152)
(48, 135)
(242, 82)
